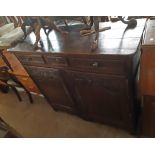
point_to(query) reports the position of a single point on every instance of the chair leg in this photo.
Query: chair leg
(16, 92)
(21, 85)
(27, 92)
(29, 95)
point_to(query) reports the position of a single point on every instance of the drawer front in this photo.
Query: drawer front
(103, 66)
(31, 59)
(56, 60)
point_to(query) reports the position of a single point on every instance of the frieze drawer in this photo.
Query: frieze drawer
(31, 59)
(56, 60)
(104, 66)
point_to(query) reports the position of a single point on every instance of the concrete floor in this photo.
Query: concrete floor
(40, 120)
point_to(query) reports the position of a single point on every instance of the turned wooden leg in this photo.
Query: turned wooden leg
(96, 26)
(27, 92)
(37, 28)
(16, 92)
(23, 27)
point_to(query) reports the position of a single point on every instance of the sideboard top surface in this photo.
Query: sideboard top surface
(116, 41)
(150, 33)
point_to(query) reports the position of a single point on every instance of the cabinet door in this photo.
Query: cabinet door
(52, 86)
(148, 116)
(103, 98)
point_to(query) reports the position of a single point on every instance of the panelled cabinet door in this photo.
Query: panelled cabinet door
(148, 117)
(103, 98)
(53, 87)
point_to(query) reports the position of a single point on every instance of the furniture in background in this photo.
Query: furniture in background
(9, 79)
(98, 86)
(18, 70)
(10, 67)
(147, 80)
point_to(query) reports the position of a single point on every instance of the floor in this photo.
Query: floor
(2, 133)
(40, 120)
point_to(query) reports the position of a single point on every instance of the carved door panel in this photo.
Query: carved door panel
(102, 98)
(52, 87)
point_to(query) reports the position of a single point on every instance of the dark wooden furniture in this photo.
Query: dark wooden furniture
(147, 80)
(98, 86)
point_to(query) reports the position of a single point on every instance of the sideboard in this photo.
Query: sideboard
(97, 86)
(147, 80)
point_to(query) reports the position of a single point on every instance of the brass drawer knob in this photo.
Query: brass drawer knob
(57, 59)
(95, 64)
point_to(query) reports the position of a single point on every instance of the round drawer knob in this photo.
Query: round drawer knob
(57, 59)
(95, 64)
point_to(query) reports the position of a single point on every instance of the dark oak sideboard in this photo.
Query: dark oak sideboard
(98, 86)
(147, 80)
